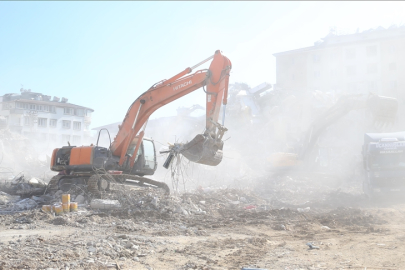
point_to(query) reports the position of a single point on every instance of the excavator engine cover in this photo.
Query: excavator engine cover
(204, 150)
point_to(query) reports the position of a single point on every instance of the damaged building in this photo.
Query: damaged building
(368, 61)
(42, 118)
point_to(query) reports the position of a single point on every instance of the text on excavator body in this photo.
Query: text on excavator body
(182, 85)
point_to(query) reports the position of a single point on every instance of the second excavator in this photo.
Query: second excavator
(131, 156)
(383, 112)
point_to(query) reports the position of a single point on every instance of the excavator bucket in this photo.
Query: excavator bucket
(383, 109)
(204, 150)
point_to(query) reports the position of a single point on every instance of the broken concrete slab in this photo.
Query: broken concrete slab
(105, 204)
(36, 182)
(7, 198)
(79, 199)
(42, 199)
(25, 204)
(25, 186)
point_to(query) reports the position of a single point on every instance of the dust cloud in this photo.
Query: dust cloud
(276, 121)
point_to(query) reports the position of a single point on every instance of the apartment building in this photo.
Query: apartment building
(369, 61)
(51, 122)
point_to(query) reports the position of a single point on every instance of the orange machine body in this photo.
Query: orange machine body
(53, 158)
(81, 155)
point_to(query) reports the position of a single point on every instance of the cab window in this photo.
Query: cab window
(149, 153)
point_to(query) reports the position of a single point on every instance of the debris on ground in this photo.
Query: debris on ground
(206, 228)
(105, 204)
(311, 246)
(7, 198)
(24, 186)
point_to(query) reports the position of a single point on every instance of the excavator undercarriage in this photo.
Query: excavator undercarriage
(99, 183)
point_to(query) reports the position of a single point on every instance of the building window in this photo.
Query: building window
(77, 125)
(52, 109)
(66, 124)
(350, 53)
(52, 122)
(33, 107)
(68, 111)
(392, 49)
(317, 74)
(79, 112)
(372, 68)
(65, 138)
(316, 58)
(292, 77)
(20, 105)
(76, 139)
(27, 120)
(351, 70)
(371, 50)
(42, 122)
(393, 66)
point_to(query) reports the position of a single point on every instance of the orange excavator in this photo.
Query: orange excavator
(131, 156)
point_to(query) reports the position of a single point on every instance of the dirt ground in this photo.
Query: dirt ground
(345, 229)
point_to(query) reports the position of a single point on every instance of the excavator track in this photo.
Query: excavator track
(141, 181)
(53, 184)
(94, 187)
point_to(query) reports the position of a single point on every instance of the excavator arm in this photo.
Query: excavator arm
(383, 110)
(215, 79)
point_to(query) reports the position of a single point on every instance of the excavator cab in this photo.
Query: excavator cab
(145, 161)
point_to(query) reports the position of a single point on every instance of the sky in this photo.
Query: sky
(103, 55)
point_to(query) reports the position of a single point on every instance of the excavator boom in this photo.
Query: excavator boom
(215, 79)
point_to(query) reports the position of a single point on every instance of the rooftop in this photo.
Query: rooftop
(334, 39)
(39, 98)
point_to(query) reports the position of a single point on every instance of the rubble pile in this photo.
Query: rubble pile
(77, 249)
(302, 189)
(203, 201)
(24, 186)
(129, 227)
